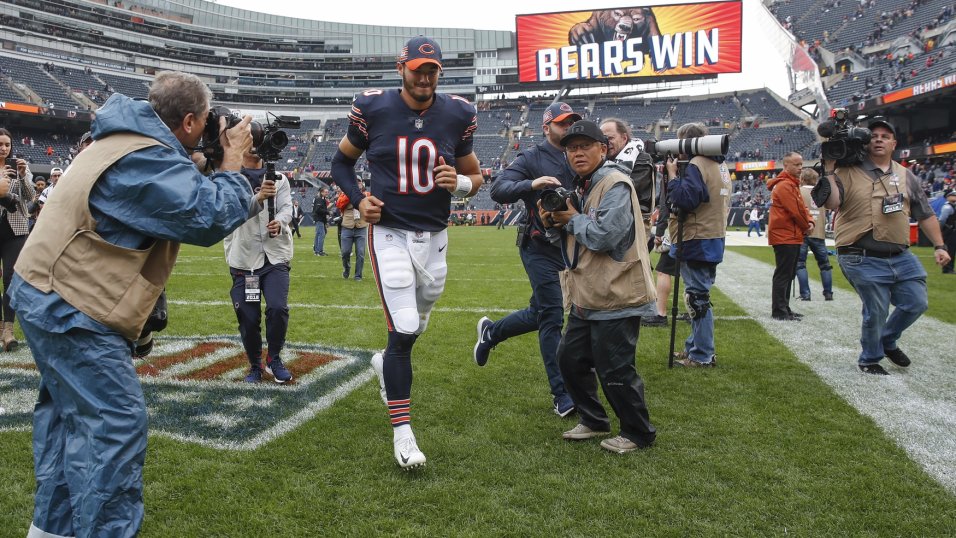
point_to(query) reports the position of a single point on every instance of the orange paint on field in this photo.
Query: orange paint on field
(152, 368)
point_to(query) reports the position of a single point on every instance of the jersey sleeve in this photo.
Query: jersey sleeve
(469, 113)
(358, 124)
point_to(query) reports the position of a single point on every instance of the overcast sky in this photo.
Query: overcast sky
(761, 65)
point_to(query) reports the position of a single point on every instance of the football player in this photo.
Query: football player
(419, 147)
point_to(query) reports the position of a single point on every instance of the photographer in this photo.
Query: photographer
(259, 254)
(542, 167)
(14, 226)
(701, 197)
(608, 280)
(876, 199)
(87, 281)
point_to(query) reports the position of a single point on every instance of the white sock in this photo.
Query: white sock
(401, 432)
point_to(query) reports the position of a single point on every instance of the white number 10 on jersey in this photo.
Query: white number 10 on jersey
(416, 168)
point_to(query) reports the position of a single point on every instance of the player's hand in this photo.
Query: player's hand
(371, 209)
(235, 143)
(545, 182)
(446, 176)
(942, 257)
(274, 228)
(671, 166)
(266, 191)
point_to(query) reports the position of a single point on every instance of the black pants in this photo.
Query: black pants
(274, 287)
(10, 247)
(608, 346)
(295, 227)
(786, 256)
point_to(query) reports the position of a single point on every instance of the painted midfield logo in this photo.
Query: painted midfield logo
(194, 390)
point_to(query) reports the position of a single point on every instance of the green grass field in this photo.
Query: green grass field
(759, 446)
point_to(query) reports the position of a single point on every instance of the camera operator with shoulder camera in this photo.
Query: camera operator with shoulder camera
(701, 198)
(608, 280)
(87, 280)
(259, 254)
(876, 198)
(534, 170)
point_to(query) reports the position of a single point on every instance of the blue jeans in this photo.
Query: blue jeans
(880, 282)
(89, 434)
(754, 225)
(357, 237)
(698, 279)
(819, 248)
(545, 312)
(274, 288)
(319, 244)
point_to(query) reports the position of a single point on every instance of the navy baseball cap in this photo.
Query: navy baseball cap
(584, 128)
(559, 112)
(880, 121)
(419, 51)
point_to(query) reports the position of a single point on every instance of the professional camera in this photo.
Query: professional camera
(846, 143)
(268, 141)
(710, 145)
(556, 199)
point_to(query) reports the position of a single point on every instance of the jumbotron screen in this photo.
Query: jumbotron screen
(656, 41)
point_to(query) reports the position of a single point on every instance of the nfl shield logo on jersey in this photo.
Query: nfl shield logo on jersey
(419, 123)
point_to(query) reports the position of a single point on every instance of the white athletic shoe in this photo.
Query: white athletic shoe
(407, 453)
(377, 362)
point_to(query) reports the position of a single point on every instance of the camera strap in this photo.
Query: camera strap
(573, 262)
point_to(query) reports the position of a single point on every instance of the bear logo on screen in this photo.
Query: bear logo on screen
(615, 25)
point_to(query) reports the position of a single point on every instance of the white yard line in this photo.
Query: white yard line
(916, 406)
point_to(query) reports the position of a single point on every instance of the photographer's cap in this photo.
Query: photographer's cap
(419, 51)
(584, 128)
(949, 193)
(880, 121)
(55, 171)
(559, 112)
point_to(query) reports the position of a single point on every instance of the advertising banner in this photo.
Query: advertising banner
(656, 41)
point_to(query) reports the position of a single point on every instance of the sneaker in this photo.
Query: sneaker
(274, 367)
(827, 296)
(581, 432)
(358, 278)
(407, 453)
(682, 359)
(322, 254)
(483, 345)
(796, 314)
(897, 357)
(684, 317)
(802, 298)
(654, 321)
(619, 445)
(345, 274)
(563, 405)
(872, 369)
(786, 317)
(378, 362)
(254, 375)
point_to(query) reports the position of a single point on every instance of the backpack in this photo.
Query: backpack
(643, 172)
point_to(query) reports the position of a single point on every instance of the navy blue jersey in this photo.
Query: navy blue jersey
(402, 147)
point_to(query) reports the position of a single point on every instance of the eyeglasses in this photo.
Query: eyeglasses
(583, 146)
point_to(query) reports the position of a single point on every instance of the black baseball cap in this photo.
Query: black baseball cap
(949, 193)
(880, 121)
(585, 128)
(419, 51)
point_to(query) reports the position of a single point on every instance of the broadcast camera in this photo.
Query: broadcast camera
(710, 145)
(557, 199)
(268, 141)
(846, 143)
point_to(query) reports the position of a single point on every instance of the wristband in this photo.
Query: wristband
(463, 187)
(941, 247)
